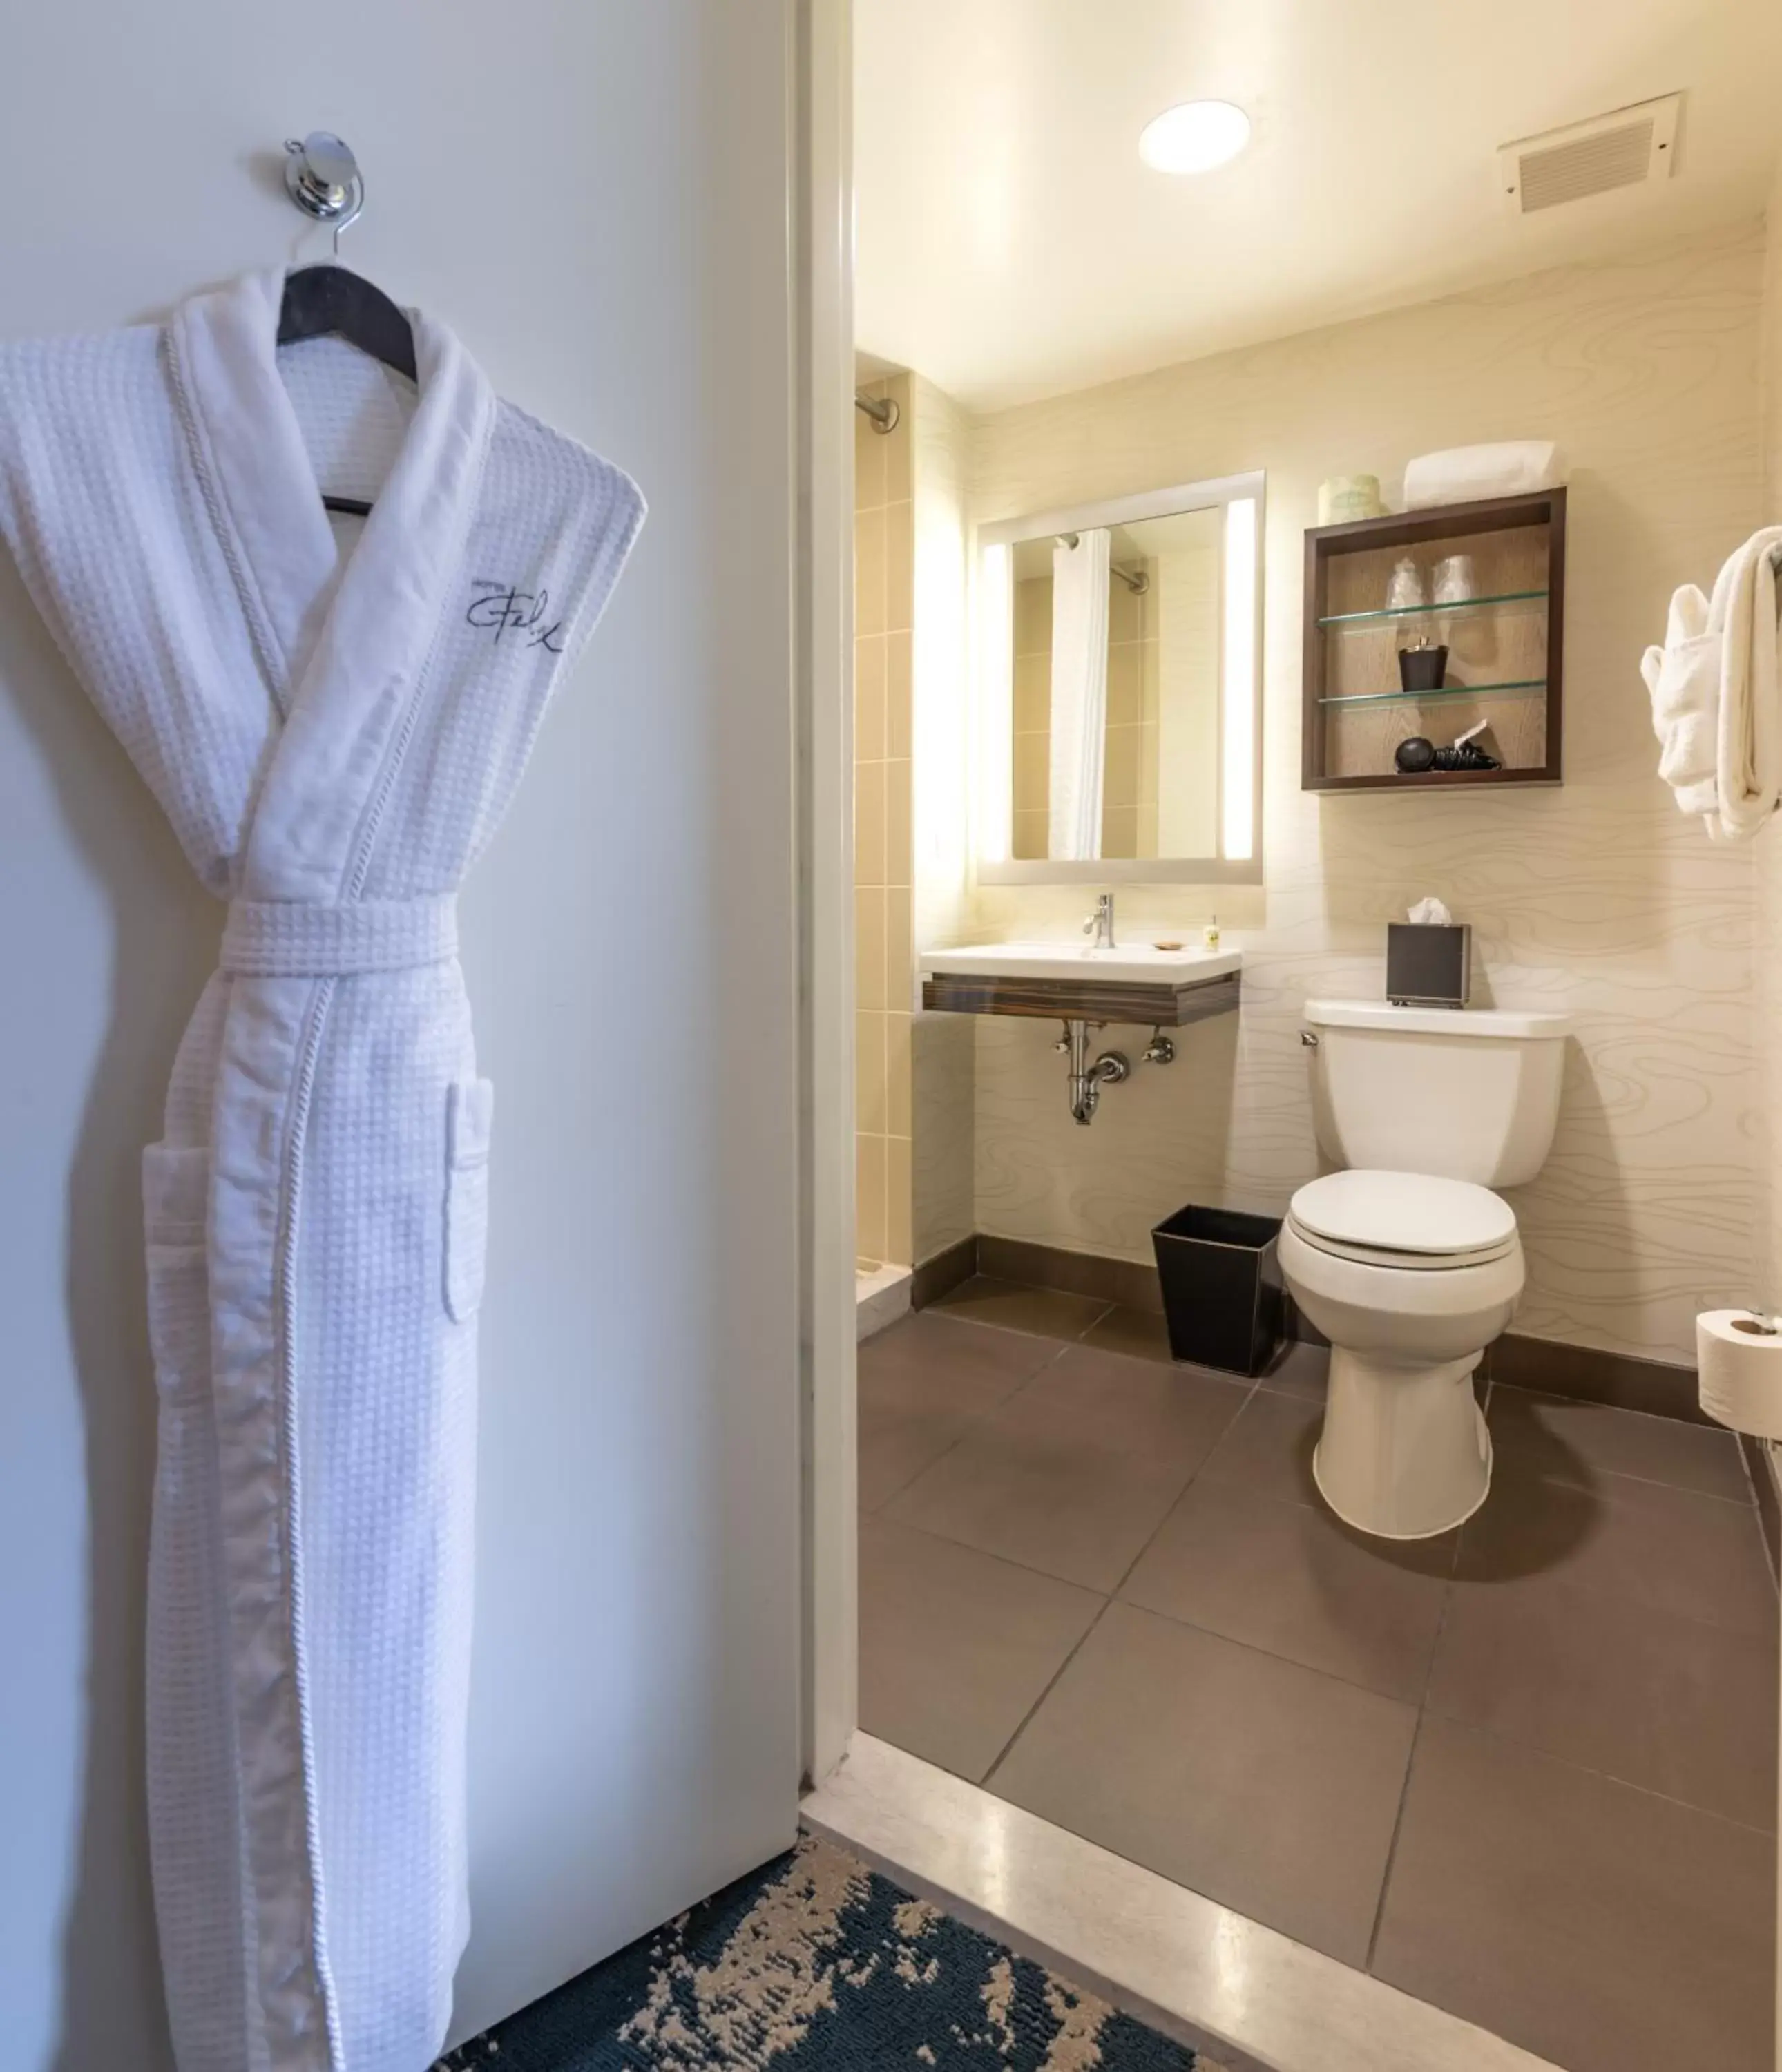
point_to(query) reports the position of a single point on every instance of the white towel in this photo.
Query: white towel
(1462, 475)
(1714, 685)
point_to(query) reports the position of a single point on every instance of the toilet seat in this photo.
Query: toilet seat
(1416, 1221)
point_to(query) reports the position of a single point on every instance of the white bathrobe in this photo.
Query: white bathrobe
(334, 735)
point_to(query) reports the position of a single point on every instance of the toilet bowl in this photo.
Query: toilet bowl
(1406, 1259)
(1409, 1276)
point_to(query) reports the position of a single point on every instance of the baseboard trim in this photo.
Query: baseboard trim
(1760, 1464)
(1549, 1367)
(941, 1274)
(1127, 1282)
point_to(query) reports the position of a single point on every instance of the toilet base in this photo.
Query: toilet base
(1405, 1453)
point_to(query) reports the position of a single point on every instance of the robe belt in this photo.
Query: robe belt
(290, 939)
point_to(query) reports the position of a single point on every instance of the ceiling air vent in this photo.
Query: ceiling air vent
(1633, 147)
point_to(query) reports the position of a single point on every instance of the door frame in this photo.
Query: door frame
(821, 225)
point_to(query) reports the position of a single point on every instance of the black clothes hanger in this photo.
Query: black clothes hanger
(329, 301)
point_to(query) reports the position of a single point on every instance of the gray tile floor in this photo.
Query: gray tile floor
(1526, 1771)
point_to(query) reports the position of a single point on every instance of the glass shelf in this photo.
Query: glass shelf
(1427, 610)
(1430, 697)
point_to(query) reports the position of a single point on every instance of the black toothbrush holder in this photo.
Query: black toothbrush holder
(1422, 668)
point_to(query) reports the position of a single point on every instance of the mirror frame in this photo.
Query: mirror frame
(994, 676)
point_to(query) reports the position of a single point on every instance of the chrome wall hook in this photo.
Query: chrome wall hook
(322, 176)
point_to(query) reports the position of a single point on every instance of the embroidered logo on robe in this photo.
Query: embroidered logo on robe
(499, 609)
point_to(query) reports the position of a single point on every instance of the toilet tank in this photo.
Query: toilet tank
(1469, 1093)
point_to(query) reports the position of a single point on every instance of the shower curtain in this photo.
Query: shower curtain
(1079, 574)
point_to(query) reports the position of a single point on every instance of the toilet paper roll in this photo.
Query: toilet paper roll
(1739, 1360)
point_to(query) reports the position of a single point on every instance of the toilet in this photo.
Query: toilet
(1405, 1258)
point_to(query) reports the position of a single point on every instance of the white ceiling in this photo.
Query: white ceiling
(1012, 245)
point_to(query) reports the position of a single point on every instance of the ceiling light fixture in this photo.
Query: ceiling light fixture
(1194, 137)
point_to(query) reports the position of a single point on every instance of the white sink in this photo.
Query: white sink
(1140, 963)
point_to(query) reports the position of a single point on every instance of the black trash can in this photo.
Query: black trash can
(1222, 1294)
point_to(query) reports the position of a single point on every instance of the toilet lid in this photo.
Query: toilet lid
(1405, 1212)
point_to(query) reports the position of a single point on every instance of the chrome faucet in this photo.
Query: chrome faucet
(1100, 924)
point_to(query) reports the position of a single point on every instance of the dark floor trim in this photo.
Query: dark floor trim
(1547, 1366)
(1127, 1281)
(1591, 1376)
(941, 1274)
(1769, 1510)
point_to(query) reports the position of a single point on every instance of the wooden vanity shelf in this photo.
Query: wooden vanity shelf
(1506, 661)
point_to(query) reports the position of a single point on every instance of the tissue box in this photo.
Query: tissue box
(1428, 966)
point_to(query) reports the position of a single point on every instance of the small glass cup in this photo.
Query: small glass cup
(1405, 589)
(1453, 580)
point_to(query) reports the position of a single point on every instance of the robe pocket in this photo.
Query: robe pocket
(175, 1191)
(469, 1108)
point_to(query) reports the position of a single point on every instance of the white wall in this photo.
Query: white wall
(594, 196)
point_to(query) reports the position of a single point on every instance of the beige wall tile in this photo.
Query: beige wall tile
(900, 951)
(884, 722)
(870, 1110)
(940, 741)
(1033, 616)
(868, 946)
(1119, 831)
(869, 1197)
(1032, 698)
(869, 572)
(1125, 671)
(869, 824)
(898, 1099)
(1119, 770)
(1128, 613)
(899, 703)
(1032, 757)
(1031, 835)
(900, 567)
(897, 823)
(868, 699)
(899, 1217)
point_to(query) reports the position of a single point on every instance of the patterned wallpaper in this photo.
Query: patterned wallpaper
(1598, 897)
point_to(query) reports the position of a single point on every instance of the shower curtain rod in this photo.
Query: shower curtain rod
(883, 412)
(1137, 584)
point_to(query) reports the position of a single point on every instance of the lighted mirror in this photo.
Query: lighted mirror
(1120, 648)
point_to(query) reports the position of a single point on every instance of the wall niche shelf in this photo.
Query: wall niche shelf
(1504, 643)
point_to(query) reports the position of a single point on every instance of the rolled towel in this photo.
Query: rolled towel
(1684, 679)
(1462, 475)
(1715, 685)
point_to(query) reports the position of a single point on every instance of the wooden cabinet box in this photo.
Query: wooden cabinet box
(1504, 643)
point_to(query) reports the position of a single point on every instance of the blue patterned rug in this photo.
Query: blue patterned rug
(817, 1961)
